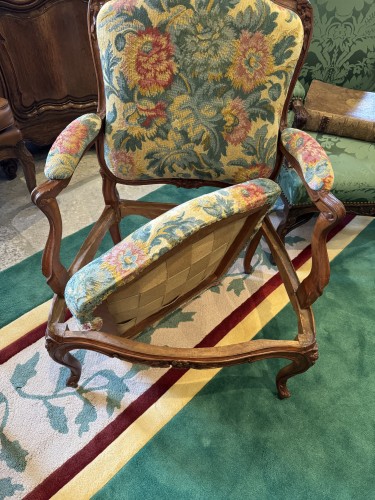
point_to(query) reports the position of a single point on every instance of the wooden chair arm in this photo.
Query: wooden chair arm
(331, 212)
(44, 197)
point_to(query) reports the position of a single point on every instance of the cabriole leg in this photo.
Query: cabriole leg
(60, 353)
(300, 363)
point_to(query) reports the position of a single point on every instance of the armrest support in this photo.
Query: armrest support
(297, 106)
(313, 166)
(44, 197)
(68, 149)
(62, 160)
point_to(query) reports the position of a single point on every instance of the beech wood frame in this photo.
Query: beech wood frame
(302, 351)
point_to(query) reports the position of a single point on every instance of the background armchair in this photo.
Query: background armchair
(191, 94)
(342, 52)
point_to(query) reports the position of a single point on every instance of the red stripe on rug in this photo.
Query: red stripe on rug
(67, 471)
(21, 343)
(25, 341)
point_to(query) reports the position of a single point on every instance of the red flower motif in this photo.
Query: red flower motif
(157, 114)
(71, 140)
(149, 63)
(125, 257)
(237, 124)
(122, 163)
(127, 5)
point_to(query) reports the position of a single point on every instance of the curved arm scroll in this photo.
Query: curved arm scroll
(331, 212)
(44, 197)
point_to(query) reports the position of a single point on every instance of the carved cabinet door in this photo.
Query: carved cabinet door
(46, 68)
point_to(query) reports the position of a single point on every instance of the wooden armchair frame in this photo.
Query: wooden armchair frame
(302, 351)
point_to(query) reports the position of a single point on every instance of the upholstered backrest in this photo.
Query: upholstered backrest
(195, 88)
(342, 51)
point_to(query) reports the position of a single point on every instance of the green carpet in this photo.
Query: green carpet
(236, 440)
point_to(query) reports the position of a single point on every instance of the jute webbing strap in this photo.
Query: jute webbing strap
(174, 277)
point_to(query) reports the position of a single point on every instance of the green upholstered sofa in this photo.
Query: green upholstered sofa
(342, 52)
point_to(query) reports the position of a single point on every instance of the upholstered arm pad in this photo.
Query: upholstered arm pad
(315, 165)
(92, 284)
(68, 149)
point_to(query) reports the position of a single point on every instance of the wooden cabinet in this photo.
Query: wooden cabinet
(46, 68)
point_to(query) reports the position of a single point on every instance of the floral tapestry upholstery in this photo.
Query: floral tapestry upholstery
(68, 149)
(195, 88)
(342, 51)
(90, 286)
(315, 164)
(353, 163)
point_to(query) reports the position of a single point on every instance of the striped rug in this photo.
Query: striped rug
(58, 442)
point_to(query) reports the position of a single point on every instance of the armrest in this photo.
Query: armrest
(313, 166)
(308, 158)
(68, 149)
(62, 160)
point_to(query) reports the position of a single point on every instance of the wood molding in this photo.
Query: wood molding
(47, 81)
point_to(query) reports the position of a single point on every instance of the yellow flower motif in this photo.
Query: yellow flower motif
(253, 61)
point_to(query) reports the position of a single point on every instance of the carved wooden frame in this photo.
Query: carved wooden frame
(302, 351)
(40, 119)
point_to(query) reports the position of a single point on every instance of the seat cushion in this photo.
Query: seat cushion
(353, 163)
(90, 286)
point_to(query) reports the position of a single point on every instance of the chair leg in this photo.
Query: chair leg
(301, 362)
(251, 251)
(28, 165)
(10, 168)
(60, 353)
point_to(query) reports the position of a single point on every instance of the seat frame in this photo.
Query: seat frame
(302, 351)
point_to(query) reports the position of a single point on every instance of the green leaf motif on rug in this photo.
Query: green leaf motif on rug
(24, 372)
(172, 320)
(11, 452)
(102, 380)
(237, 285)
(8, 489)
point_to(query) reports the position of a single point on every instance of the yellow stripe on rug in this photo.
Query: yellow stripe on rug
(96, 474)
(24, 324)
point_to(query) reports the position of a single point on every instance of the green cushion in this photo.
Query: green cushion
(342, 51)
(354, 168)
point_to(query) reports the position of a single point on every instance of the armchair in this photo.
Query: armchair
(342, 52)
(191, 94)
